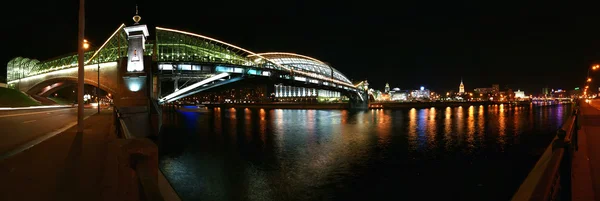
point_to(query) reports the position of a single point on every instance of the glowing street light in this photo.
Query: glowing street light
(589, 79)
(86, 45)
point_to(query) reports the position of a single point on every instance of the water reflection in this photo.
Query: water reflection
(448, 128)
(431, 128)
(470, 128)
(480, 122)
(501, 127)
(259, 154)
(383, 128)
(412, 129)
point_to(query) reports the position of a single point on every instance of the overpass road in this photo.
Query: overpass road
(22, 129)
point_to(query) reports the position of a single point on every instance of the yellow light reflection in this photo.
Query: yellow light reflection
(278, 127)
(459, 121)
(412, 129)
(431, 128)
(501, 127)
(384, 125)
(232, 125)
(516, 118)
(262, 114)
(448, 128)
(481, 121)
(218, 121)
(248, 124)
(470, 125)
(262, 125)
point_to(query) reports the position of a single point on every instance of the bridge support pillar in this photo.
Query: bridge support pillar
(360, 100)
(176, 84)
(135, 85)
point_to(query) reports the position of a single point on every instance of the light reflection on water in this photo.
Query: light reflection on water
(258, 154)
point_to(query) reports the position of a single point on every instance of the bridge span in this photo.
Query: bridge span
(181, 64)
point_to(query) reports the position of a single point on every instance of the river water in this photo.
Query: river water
(461, 153)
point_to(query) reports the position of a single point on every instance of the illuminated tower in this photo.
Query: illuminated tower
(387, 88)
(461, 87)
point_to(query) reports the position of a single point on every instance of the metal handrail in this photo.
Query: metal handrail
(554, 182)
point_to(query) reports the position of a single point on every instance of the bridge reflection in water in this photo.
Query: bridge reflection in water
(461, 153)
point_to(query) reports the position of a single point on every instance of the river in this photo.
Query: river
(460, 153)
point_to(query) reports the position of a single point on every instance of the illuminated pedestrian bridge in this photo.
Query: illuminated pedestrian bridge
(181, 64)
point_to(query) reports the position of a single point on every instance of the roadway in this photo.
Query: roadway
(19, 129)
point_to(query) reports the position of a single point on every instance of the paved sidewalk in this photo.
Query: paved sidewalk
(65, 167)
(586, 163)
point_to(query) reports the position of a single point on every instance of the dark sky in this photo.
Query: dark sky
(522, 45)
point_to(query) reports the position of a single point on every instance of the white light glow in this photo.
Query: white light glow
(65, 71)
(33, 107)
(134, 86)
(195, 85)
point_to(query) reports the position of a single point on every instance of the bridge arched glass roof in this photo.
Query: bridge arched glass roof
(180, 46)
(304, 63)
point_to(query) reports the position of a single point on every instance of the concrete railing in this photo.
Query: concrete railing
(550, 179)
(139, 159)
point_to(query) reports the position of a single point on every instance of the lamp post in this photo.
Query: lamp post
(81, 69)
(86, 45)
(97, 96)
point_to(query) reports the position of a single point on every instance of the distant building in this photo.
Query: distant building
(461, 87)
(387, 88)
(422, 93)
(399, 96)
(545, 91)
(495, 88)
(375, 93)
(519, 94)
(384, 97)
(484, 90)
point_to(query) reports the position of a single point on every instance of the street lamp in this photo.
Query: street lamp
(86, 44)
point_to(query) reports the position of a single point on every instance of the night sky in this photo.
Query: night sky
(523, 46)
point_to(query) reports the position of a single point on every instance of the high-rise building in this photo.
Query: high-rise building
(387, 88)
(461, 87)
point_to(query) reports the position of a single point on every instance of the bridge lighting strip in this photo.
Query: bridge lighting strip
(249, 52)
(64, 72)
(34, 107)
(291, 54)
(301, 72)
(195, 85)
(105, 42)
